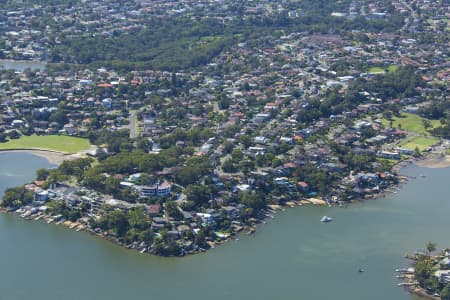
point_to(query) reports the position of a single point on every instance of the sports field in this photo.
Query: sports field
(61, 143)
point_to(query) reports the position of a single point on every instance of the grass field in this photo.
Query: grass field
(410, 122)
(392, 68)
(421, 143)
(60, 143)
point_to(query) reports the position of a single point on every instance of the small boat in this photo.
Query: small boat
(361, 270)
(406, 284)
(326, 219)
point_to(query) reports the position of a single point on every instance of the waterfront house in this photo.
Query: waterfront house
(119, 204)
(40, 195)
(303, 186)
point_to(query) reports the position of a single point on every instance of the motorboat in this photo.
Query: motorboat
(326, 219)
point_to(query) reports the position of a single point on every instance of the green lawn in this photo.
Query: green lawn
(391, 68)
(420, 142)
(60, 143)
(410, 122)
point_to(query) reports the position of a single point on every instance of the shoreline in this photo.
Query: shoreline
(434, 161)
(421, 293)
(52, 156)
(81, 227)
(429, 160)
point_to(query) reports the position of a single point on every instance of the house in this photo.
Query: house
(231, 211)
(164, 189)
(303, 186)
(18, 123)
(389, 154)
(153, 210)
(148, 190)
(206, 218)
(119, 204)
(255, 151)
(107, 103)
(281, 181)
(443, 275)
(159, 190)
(40, 195)
(69, 129)
(261, 118)
(404, 151)
(183, 229)
(243, 187)
(260, 140)
(158, 223)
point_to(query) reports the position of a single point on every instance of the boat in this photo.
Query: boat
(406, 283)
(401, 270)
(326, 219)
(361, 270)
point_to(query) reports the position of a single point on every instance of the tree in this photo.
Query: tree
(200, 194)
(59, 117)
(426, 123)
(416, 151)
(3, 137)
(228, 166)
(136, 219)
(422, 271)
(445, 292)
(173, 211)
(117, 221)
(42, 174)
(252, 200)
(15, 197)
(430, 248)
(13, 134)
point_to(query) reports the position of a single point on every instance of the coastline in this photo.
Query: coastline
(77, 226)
(431, 160)
(434, 161)
(421, 293)
(52, 156)
(57, 157)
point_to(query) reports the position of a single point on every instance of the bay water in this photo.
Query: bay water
(293, 256)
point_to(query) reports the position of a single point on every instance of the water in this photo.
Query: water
(21, 65)
(294, 256)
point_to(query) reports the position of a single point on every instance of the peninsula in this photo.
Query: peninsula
(429, 275)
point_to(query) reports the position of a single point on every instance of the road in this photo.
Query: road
(133, 124)
(408, 20)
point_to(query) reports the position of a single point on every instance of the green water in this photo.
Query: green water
(294, 256)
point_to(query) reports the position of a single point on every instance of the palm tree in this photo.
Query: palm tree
(430, 248)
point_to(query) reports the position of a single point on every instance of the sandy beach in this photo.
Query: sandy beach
(434, 161)
(53, 157)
